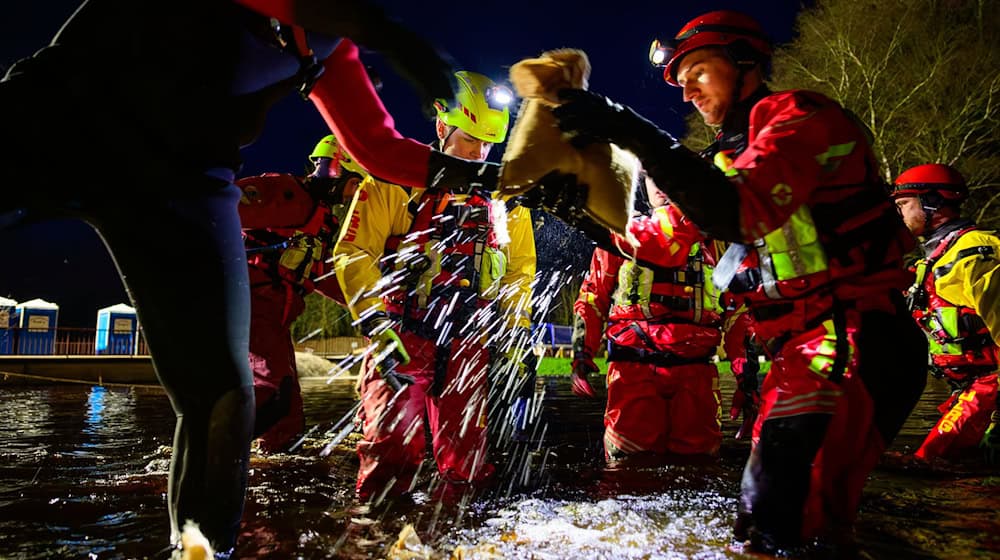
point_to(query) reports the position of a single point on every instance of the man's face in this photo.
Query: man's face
(656, 197)
(460, 144)
(708, 78)
(913, 214)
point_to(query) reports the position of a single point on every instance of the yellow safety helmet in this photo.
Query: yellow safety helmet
(482, 107)
(329, 147)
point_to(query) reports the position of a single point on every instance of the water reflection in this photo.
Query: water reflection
(83, 473)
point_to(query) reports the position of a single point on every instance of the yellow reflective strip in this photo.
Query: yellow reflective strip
(779, 411)
(820, 365)
(838, 150)
(665, 224)
(722, 161)
(949, 320)
(645, 286)
(794, 248)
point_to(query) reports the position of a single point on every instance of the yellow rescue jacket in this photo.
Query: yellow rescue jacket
(381, 211)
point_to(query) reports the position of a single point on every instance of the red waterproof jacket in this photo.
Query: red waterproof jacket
(817, 225)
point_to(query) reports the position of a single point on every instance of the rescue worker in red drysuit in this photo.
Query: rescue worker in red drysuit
(662, 330)
(817, 258)
(956, 300)
(168, 93)
(290, 225)
(423, 270)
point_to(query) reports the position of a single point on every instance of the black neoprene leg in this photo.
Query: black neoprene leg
(893, 366)
(185, 268)
(776, 479)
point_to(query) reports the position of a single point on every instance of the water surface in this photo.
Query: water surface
(83, 475)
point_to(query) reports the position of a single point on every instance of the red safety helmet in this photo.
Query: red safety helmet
(931, 177)
(741, 36)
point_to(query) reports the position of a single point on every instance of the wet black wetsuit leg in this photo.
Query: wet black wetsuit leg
(184, 265)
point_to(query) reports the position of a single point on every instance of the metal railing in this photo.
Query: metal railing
(66, 341)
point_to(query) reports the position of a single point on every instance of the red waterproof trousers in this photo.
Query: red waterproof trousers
(393, 445)
(672, 409)
(280, 419)
(966, 417)
(829, 405)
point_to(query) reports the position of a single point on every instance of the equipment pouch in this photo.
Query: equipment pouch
(494, 266)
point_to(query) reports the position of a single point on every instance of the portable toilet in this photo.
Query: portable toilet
(8, 325)
(37, 321)
(116, 328)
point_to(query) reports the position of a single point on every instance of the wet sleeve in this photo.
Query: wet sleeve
(521, 266)
(377, 211)
(346, 99)
(594, 301)
(968, 274)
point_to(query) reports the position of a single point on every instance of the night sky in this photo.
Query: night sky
(65, 262)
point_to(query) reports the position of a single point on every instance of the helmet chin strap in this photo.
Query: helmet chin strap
(444, 141)
(930, 207)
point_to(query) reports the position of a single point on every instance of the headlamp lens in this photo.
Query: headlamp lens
(499, 97)
(660, 52)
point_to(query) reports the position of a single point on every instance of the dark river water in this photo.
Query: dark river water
(82, 475)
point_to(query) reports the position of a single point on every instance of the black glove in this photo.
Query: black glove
(700, 190)
(429, 71)
(562, 196)
(991, 439)
(460, 175)
(592, 117)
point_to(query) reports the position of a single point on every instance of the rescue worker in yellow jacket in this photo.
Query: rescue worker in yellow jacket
(956, 300)
(433, 276)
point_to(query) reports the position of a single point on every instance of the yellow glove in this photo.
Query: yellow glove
(991, 439)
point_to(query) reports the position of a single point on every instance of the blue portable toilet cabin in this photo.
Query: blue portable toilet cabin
(8, 325)
(555, 336)
(116, 328)
(37, 327)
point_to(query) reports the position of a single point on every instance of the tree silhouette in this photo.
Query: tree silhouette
(921, 75)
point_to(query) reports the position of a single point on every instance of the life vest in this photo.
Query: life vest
(960, 343)
(684, 293)
(449, 264)
(845, 231)
(294, 254)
